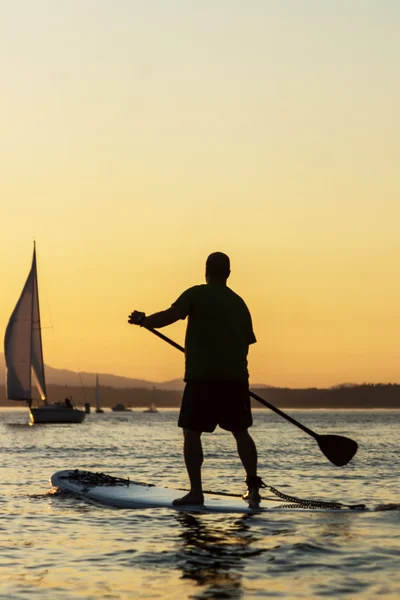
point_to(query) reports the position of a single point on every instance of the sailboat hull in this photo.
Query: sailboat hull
(56, 414)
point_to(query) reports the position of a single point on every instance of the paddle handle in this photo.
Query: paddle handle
(252, 394)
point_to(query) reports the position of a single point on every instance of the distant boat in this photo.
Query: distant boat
(152, 409)
(97, 396)
(23, 352)
(120, 408)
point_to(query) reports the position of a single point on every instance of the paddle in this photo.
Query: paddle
(337, 448)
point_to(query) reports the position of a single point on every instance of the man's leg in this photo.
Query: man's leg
(193, 455)
(248, 455)
(247, 451)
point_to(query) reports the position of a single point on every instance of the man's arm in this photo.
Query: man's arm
(179, 310)
(251, 336)
(163, 318)
(156, 320)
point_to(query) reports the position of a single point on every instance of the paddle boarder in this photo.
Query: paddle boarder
(218, 336)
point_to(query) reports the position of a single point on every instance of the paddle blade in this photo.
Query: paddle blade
(338, 449)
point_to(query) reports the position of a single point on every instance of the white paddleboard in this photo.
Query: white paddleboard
(125, 493)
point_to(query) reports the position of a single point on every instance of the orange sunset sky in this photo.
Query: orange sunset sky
(138, 137)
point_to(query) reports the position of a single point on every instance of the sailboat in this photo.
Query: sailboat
(152, 408)
(97, 395)
(23, 352)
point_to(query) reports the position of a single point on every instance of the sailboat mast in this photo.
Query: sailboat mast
(38, 324)
(97, 394)
(33, 269)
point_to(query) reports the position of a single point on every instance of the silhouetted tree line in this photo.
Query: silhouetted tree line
(367, 395)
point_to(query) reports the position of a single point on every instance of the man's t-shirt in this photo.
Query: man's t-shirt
(218, 333)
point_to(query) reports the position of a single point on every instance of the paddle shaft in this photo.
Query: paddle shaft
(252, 394)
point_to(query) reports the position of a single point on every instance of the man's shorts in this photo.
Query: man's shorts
(208, 403)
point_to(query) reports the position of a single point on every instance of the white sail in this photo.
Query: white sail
(23, 343)
(97, 396)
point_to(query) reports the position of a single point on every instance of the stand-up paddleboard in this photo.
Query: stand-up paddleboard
(104, 489)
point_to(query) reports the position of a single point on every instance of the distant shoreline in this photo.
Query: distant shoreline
(364, 396)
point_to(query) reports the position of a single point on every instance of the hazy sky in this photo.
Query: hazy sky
(137, 137)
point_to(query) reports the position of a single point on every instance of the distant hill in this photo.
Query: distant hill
(70, 378)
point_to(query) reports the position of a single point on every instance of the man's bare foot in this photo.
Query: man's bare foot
(253, 498)
(190, 498)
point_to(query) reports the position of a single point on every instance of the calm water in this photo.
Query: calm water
(60, 547)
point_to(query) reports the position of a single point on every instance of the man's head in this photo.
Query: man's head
(218, 267)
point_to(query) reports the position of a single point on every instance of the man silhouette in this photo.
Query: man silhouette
(218, 336)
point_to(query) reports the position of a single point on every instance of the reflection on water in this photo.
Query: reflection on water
(214, 556)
